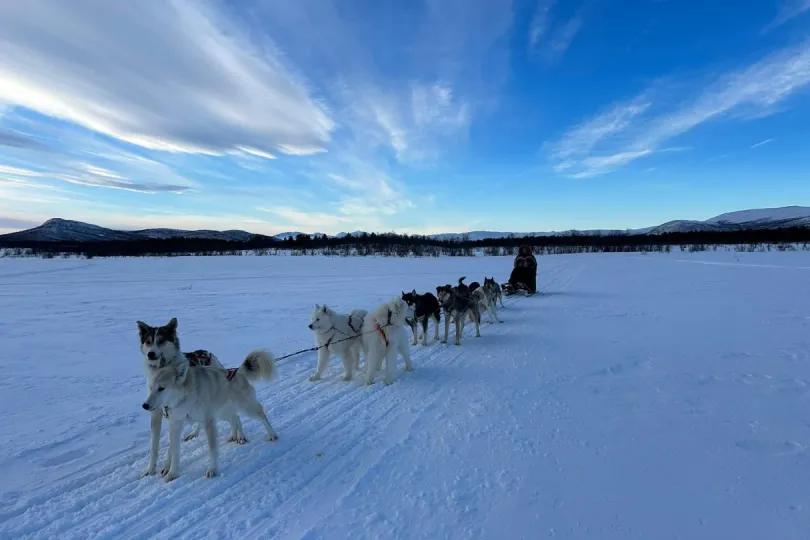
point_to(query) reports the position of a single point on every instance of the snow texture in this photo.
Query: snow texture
(637, 396)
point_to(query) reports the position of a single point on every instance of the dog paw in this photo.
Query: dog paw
(171, 476)
(211, 473)
(238, 439)
(408, 368)
(389, 381)
(164, 471)
(346, 377)
(148, 472)
(315, 377)
(272, 437)
(368, 382)
(190, 437)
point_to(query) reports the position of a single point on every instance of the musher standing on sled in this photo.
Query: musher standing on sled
(524, 273)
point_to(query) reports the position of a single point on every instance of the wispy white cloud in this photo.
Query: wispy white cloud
(630, 131)
(761, 143)
(548, 40)
(174, 76)
(788, 10)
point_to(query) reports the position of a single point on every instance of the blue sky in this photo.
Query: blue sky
(412, 116)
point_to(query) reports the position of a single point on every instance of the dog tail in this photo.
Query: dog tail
(462, 278)
(258, 365)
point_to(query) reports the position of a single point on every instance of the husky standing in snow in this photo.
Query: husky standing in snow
(384, 337)
(338, 334)
(458, 304)
(424, 307)
(206, 394)
(486, 301)
(495, 290)
(160, 347)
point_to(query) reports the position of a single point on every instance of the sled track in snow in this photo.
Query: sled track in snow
(328, 428)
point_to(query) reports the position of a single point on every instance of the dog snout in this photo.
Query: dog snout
(146, 406)
(151, 355)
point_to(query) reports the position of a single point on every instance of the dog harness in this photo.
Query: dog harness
(355, 330)
(199, 357)
(231, 373)
(380, 330)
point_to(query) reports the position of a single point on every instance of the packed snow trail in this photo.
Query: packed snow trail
(633, 397)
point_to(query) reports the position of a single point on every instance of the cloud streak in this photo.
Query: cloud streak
(161, 75)
(630, 131)
(548, 40)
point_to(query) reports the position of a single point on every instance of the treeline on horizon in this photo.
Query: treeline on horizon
(390, 244)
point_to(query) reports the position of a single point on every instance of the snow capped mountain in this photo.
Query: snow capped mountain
(65, 230)
(766, 214)
(684, 226)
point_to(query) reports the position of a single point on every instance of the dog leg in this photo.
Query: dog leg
(446, 326)
(211, 434)
(371, 366)
(255, 410)
(193, 434)
(155, 423)
(323, 363)
(390, 362)
(477, 320)
(437, 318)
(237, 435)
(413, 331)
(405, 352)
(493, 314)
(348, 364)
(459, 329)
(172, 469)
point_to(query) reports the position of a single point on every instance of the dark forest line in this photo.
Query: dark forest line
(412, 246)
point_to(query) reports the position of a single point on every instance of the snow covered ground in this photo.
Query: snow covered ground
(658, 396)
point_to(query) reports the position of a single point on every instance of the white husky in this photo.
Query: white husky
(384, 336)
(338, 334)
(206, 394)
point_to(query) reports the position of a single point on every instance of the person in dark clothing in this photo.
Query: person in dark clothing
(524, 273)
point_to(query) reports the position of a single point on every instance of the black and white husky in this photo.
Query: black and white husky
(424, 307)
(338, 334)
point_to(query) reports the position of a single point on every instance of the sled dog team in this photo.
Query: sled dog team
(195, 387)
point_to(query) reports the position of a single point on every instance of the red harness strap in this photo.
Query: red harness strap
(382, 334)
(231, 373)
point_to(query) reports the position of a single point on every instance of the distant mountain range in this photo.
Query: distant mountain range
(65, 230)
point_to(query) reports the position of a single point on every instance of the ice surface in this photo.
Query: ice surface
(658, 396)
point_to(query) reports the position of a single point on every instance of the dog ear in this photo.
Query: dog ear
(172, 326)
(181, 372)
(414, 292)
(324, 308)
(143, 328)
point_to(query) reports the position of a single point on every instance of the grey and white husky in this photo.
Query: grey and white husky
(160, 347)
(458, 304)
(486, 302)
(206, 394)
(338, 334)
(495, 290)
